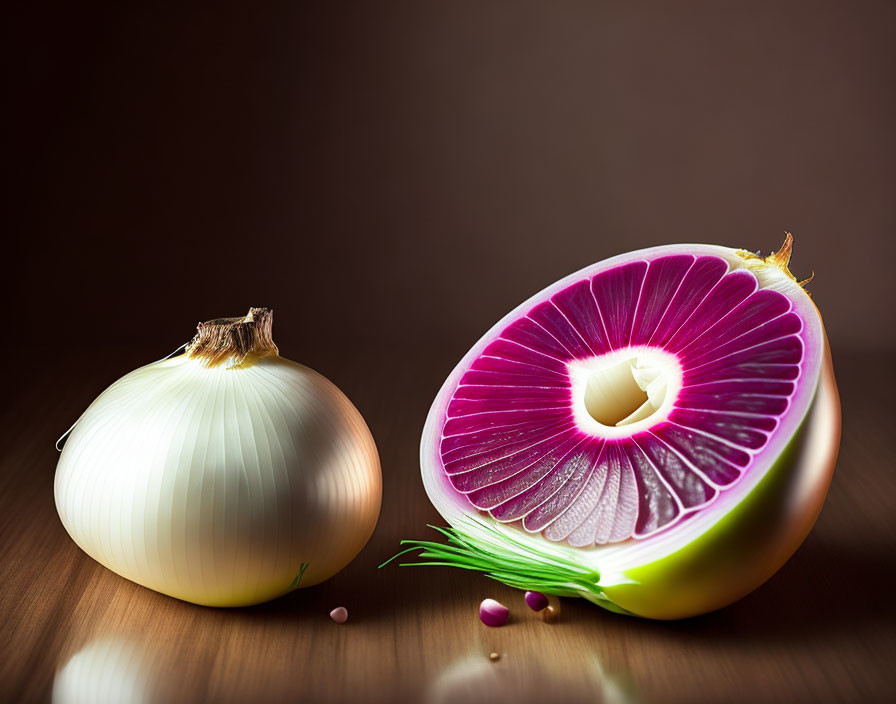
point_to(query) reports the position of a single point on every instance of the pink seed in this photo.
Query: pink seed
(339, 614)
(536, 601)
(492, 613)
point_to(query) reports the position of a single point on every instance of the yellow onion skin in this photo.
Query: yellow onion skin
(746, 547)
(221, 486)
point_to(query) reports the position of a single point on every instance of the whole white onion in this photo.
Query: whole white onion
(224, 476)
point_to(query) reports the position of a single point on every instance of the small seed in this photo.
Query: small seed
(494, 656)
(339, 614)
(549, 615)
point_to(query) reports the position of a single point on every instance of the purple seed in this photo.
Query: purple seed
(493, 614)
(536, 601)
(339, 614)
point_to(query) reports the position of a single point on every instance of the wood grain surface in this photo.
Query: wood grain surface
(821, 630)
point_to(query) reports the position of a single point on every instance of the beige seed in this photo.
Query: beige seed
(494, 656)
(549, 614)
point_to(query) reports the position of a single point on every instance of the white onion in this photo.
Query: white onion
(225, 476)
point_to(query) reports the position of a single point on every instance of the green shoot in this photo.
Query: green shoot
(298, 580)
(506, 560)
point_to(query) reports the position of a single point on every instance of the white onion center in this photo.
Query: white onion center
(624, 392)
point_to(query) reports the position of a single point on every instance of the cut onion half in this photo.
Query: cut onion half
(655, 433)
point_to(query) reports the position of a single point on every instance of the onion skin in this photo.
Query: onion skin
(746, 547)
(221, 486)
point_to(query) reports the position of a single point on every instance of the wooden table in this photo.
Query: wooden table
(821, 630)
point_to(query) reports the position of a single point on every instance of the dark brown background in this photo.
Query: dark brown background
(391, 178)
